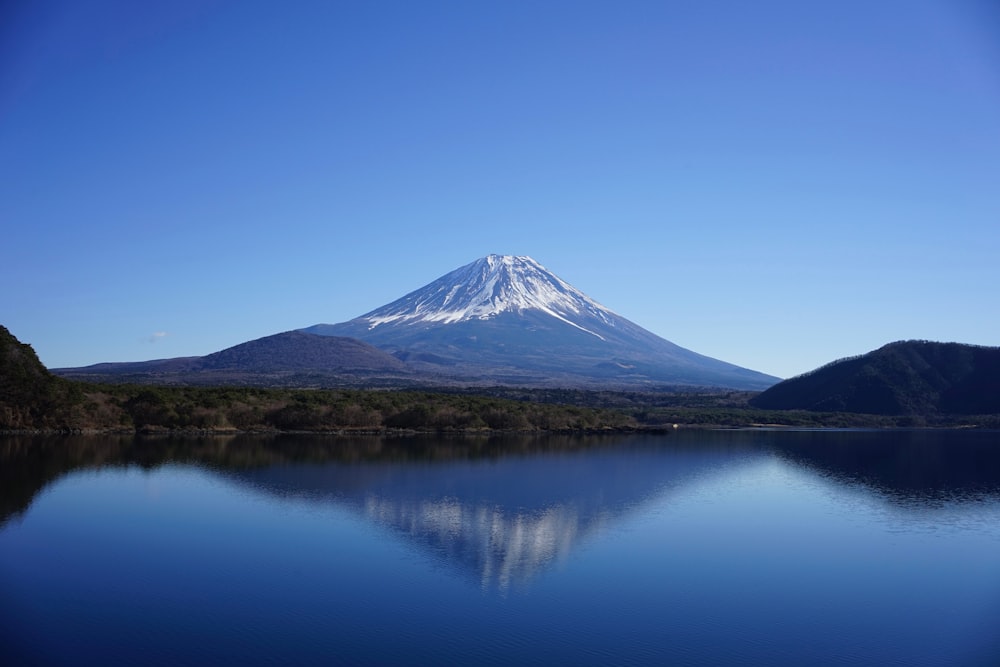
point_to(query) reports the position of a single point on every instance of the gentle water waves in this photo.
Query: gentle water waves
(694, 548)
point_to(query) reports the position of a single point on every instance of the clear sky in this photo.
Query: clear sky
(773, 183)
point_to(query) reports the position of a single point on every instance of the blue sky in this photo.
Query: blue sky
(776, 184)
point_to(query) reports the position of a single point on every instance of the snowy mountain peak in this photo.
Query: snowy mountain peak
(506, 319)
(490, 286)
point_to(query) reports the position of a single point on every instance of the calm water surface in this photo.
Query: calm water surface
(694, 548)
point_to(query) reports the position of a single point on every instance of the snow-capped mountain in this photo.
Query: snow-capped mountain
(488, 287)
(507, 319)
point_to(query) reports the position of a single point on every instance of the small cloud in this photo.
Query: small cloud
(157, 335)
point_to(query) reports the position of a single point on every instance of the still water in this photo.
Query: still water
(693, 548)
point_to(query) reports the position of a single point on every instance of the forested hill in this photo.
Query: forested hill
(30, 396)
(903, 378)
(20, 368)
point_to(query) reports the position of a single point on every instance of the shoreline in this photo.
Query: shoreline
(407, 432)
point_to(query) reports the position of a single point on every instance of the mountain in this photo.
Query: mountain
(284, 358)
(902, 378)
(507, 320)
(501, 320)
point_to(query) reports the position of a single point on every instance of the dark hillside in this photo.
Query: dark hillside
(903, 378)
(23, 378)
(30, 396)
(298, 351)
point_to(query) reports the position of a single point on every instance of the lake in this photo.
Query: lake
(690, 548)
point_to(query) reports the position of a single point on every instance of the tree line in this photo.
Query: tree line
(160, 408)
(32, 399)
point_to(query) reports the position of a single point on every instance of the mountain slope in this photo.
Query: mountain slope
(298, 351)
(507, 319)
(291, 354)
(902, 378)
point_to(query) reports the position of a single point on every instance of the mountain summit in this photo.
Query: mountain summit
(488, 287)
(506, 319)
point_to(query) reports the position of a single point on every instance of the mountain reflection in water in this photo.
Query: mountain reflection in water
(502, 548)
(501, 509)
(499, 518)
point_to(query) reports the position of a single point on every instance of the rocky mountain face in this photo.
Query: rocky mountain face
(507, 320)
(902, 378)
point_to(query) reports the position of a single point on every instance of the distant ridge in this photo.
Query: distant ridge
(901, 378)
(298, 351)
(278, 359)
